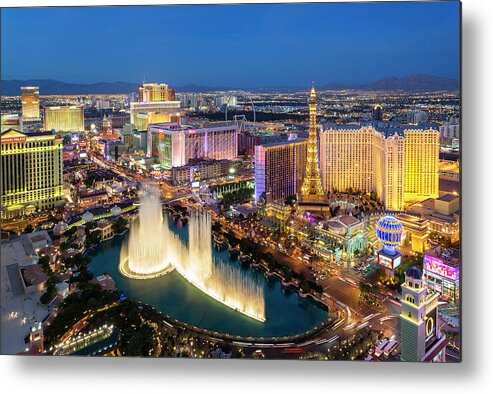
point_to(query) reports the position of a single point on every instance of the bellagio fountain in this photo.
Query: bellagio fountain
(152, 249)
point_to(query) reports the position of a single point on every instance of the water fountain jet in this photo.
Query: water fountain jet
(153, 250)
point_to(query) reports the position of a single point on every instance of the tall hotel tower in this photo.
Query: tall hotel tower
(30, 102)
(421, 164)
(399, 164)
(31, 172)
(156, 104)
(279, 168)
(152, 92)
(312, 191)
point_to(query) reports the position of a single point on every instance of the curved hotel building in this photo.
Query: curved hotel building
(174, 145)
(64, 119)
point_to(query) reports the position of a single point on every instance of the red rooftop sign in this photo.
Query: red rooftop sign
(13, 139)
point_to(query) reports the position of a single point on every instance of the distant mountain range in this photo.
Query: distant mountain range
(51, 86)
(410, 83)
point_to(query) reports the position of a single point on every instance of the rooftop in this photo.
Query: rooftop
(190, 128)
(349, 220)
(39, 237)
(388, 129)
(33, 275)
(287, 142)
(18, 312)
(451, 256)
(447, 197)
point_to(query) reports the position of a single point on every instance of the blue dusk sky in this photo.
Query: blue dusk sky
(249, 46)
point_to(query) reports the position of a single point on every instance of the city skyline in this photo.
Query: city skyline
(381, 40)
(148, 220)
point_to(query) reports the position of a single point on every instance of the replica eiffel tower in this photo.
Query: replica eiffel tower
(312, 190)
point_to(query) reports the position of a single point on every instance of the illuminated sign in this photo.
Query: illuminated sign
(438, 267)
(397, 261)
(14, 139)
(431, 328)
(390, 263)
(385, 261)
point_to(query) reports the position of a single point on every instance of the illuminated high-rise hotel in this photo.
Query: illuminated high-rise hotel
(346, 158)
(399, 165)
(421, 170)
(32, 172)
(175, 146)
(311, 190)
(144, 114)
(150, 92)
(388, 164)
(64, 119)
(30, 102)
(279, 168)
(156, 104)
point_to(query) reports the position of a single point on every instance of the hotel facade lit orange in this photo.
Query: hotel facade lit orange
(151, 92)
(400, 166)
(30, 102)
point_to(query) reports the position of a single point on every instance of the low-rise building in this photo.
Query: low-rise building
(441, 270)
(63, 289)
(274, 213)
(345, 234)
(33, 278)
(106, 228)
(201, 170)
(416, 231)
(39, 240)
(105, 281)
(447, 204)
(93, 197)
(442, 215)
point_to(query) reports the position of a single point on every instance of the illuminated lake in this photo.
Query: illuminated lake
(286, 313)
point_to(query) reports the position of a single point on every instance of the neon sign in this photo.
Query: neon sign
(389, 262)
(438, 267)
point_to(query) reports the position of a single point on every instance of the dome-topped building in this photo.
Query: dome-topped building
(88, 217)
(60, 228)
(116, 210)
(414, 273)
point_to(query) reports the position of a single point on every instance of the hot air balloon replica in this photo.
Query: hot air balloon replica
(390, 233)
